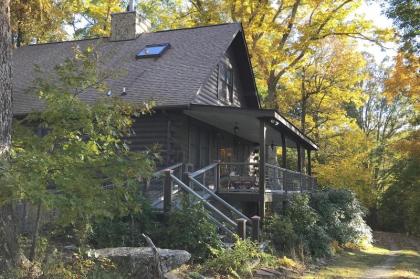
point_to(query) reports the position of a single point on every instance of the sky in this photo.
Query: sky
(373, 11)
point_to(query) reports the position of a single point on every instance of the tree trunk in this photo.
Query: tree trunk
(35, 233)
(8, 240)
(5, 78)
(271, 101)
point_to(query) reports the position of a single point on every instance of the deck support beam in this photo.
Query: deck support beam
(241, 228)
(256, 228)
(261, 168)
(167, 191)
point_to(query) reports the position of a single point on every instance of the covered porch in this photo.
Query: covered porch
(262, 175)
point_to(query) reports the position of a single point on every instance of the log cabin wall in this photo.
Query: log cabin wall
(212, 93)
(183, 139)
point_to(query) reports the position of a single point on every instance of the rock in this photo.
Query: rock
(137, 262)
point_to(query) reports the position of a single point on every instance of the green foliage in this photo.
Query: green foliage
(310, 224)
(281, 233)
(341, 215)
(71, 156)
(406, 16)
(238, 261)
(189, 229)
(298, 231)
(400, 208)
(124, 230)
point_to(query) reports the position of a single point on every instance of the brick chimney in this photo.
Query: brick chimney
(128, 25)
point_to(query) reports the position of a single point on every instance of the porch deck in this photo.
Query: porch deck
(240, 178)
(222, 187)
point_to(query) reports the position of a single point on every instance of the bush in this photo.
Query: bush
(341, 215)
(189, 229)
(238, 261)
(124, 230)
(298, 231)
(311, 224)
(281, 233)
(312, 238)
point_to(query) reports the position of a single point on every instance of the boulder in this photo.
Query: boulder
(138, 262)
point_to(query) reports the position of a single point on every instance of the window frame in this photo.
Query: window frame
(223, 82)
(165, 46)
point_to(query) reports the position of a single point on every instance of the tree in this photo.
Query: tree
(95, 16)
(280, 34)
(5, 78)
(406, 16)
(42, 21)
(316, 92)
(72, 156)
(38, 20)
(8, 249)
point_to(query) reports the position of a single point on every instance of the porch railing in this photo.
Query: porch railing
(284, 180)
(238, 177)
(153, 187)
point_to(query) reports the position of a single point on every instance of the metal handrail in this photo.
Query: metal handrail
(301, 175)
(167, 168)
(214, 209)
(283, 169)
(203, 170)
(222, 226)
(239, 163)
(219, 199)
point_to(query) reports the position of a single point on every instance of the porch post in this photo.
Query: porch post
(283, 151)
(261, 181)
(299, 157)
(309, 162)
(299, 164)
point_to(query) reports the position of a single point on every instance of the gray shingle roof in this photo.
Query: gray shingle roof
(170, 80)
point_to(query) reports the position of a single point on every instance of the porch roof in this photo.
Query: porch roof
(248, 123)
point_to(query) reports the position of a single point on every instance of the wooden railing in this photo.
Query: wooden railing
(153, 187)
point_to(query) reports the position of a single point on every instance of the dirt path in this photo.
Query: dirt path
(392, 256)
(385, 269)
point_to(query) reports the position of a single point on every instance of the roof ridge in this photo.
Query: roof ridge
(103, 37)
(61, 42)
(197, 27)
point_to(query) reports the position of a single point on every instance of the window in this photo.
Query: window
(226, 83)
(153, 50)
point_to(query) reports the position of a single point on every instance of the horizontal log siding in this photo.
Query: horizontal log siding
(208, 94)
(168, 130)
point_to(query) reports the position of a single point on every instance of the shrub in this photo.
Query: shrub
(124, 230)
(281, 233)
(190, 229)
(311, 236)
(341, 215)
(238, 261)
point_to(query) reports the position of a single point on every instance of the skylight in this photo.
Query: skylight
(153, 50)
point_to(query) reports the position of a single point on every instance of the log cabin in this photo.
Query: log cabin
(207, 120)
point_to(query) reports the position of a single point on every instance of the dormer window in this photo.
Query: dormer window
(155, 50)
(226, 83)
